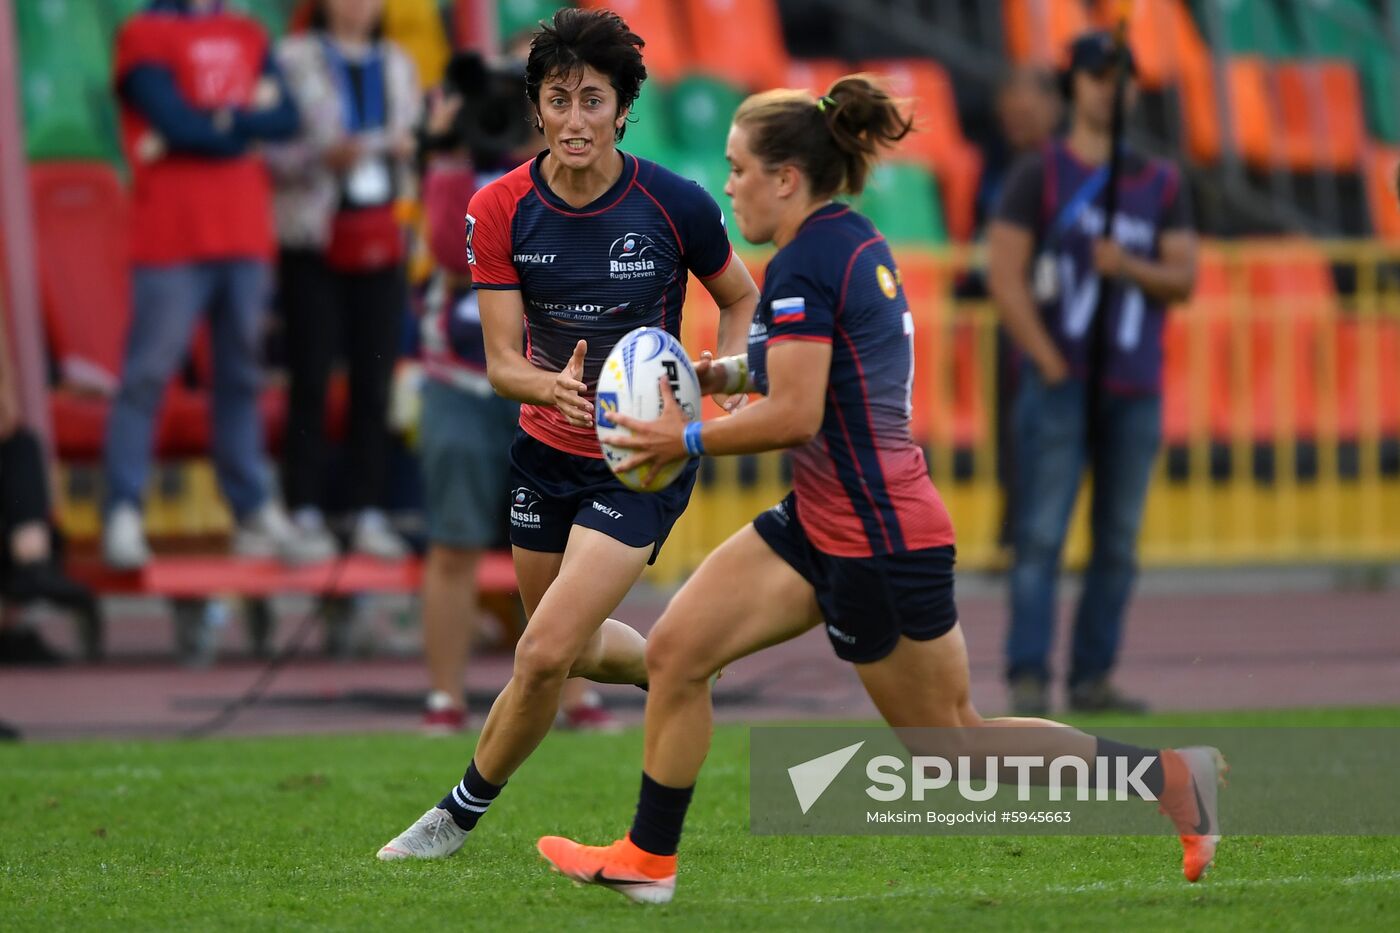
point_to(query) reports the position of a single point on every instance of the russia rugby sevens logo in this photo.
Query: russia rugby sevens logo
(627, 257)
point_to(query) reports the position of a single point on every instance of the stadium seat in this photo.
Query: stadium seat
(815, 74)
(275, 15)
(1381, 165)
(901, 199)
(701, 110)
(65, 63)
(1368, 378)
(737, 40)
(949, 404)
(81, 246)
(1185, 372)
(1335, 28)
(1321, 114)
(709, 170)
(1246, 27)
(938, 141)
(648, 123)
(659, 24)
(1250, 117)
(514, 17)
(1039, 32)
(1292, 290)
(1382, 85)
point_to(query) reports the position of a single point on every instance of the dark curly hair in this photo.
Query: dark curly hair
(597, 39)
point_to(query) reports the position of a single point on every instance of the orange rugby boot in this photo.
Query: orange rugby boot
(1189, 797)
(626, 869)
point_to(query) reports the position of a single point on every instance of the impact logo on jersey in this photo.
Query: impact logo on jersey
(471, 229)
(627, 257)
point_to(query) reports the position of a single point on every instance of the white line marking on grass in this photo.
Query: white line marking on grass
(1095, 887)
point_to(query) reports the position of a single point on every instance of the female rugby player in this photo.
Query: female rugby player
(581, 245)
(863, 544)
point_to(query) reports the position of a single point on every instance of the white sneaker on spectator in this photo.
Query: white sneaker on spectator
(311, 525)
(375, 537)
(124, 544)
(268, 532)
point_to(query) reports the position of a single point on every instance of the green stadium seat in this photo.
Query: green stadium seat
(1251, 27)
(648, 124)
(516, 16)
(710, 171)
(273, 14)
(1380, 83)
(902, 200)
(1336, 28)
(701, 110)
(65, 76)
(1350, 29)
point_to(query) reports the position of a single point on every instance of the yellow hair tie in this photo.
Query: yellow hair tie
(825, 102)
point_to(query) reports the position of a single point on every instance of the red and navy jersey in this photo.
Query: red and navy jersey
(862, 484)
(592, 273)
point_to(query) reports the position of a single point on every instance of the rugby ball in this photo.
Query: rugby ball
(630, 383)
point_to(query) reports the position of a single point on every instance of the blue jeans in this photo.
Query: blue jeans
(1050, 457)
(168, 302)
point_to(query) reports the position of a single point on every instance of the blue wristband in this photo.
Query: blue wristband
(693, 444)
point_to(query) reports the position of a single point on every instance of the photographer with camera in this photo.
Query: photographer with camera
(341, 268)
(477, 128)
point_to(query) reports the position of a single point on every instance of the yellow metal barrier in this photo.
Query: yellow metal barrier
(1281, 415)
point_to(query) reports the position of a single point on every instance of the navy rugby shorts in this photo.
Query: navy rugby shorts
(551, 491)
(867, 602)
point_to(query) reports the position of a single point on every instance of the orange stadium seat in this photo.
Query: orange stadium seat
(1344, 115)
(1208, 309)
(1039, 31)
(1300, 139)
(938, 142)
(81, 243)
(1358, 354)
(740, 41)
(1381, 165)
(659, 24)
(1169, 50)
(815, 74)
(949, 403)
(1251, 112)
(1322, 115)
(1294, 283)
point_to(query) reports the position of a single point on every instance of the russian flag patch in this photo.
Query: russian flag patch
(789, 310)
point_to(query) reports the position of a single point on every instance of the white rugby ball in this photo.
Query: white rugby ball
(630, 383)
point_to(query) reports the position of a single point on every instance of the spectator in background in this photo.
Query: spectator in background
(341, 266)
(466, 431)
(1049, 226)
(198, 90)
(1028, 111)
(30, 568)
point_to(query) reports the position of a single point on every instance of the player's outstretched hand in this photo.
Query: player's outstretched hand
(713, 380)
(569, 388)
(653, 443)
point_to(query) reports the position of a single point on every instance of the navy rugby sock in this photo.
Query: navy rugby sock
(469, 799)
(660, 815)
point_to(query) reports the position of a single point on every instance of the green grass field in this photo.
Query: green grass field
(281, 833)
